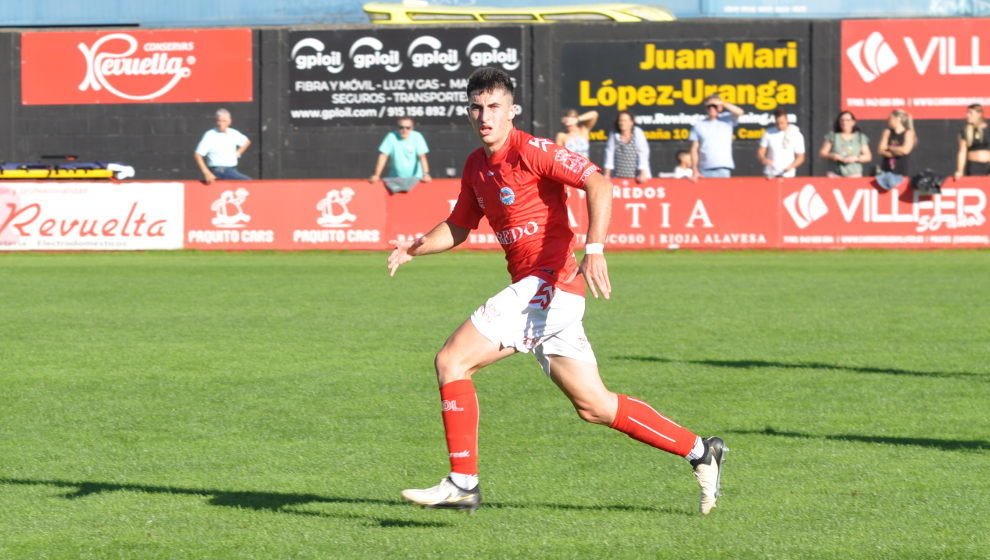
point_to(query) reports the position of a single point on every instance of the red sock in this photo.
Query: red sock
(641, 422)
(460, 422)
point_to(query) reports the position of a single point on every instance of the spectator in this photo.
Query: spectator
(846, 148)
(684, 169)
(219, 149)
(896, 143)
(711, 139)
(577, 129)
(974, 146)
(781, 149)
(407, 149)
(627, 153)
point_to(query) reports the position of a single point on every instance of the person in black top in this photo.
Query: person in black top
(896, 143)
(973, 157)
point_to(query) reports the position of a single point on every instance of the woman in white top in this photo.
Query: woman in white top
(577, 131)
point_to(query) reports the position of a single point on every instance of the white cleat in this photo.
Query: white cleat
(445, 495)
(708, 471)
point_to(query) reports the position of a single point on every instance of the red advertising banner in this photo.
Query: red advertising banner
(285, 215)
(676, 213)
(737, 213)
(414, 213)
(933, 68)
(162, 66)
(838, 213)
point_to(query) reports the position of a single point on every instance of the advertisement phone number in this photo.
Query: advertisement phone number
(427, 111)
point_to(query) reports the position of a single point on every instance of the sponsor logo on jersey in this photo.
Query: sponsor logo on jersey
(511, 235)
(507, 196)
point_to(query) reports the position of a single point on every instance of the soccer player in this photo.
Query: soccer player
(517, 182)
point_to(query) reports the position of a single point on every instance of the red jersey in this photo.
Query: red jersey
(520, 189)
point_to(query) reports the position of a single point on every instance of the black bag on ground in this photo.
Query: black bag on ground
(927, 183)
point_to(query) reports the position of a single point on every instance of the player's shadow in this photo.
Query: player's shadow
(288, 503)
(280, 502)
(932, 443)
(756, 364)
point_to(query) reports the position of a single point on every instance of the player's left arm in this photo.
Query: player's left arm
(593, 265)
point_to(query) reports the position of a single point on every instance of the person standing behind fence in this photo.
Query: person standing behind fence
(974, 146)
(711, 139)
(896, 143)
(407, 150)
(781, 149)
(846, 148)
(219, 150)
(577, 131)
(627, 153)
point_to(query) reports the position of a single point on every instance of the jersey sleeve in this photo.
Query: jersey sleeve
(467, 212)
(549, 160)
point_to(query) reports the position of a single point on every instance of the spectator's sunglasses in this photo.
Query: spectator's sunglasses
(405, 127)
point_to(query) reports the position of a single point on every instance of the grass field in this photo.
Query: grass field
(196, 405)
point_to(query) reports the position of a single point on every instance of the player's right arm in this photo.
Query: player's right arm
(444, 237)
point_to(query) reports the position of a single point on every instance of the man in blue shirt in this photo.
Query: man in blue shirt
(219, 149)
(407, 149)
(711, 139)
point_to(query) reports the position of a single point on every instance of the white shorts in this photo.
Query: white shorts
(532, 315)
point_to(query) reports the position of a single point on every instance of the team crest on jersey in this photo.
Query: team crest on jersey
(506, 195)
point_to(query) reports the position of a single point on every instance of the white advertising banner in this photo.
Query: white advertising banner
(75, 216)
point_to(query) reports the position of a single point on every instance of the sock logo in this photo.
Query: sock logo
(451, 406)
(464, 453)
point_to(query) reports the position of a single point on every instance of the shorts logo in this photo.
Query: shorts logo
(543, 296)
(506, 195)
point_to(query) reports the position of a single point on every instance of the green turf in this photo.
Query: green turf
(198, 405)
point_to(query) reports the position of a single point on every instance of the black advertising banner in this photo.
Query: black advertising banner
(664, 83)
(355, 77)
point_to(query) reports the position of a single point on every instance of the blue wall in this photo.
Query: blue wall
(191, 13)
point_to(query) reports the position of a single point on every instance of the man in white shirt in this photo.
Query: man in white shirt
(782, 148)
(219, 149)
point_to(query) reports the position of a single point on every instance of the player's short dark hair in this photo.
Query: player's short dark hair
(487, 79)
(779, 112)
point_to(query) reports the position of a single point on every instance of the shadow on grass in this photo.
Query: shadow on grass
(753, 364)
(940, 444)
(284, 502)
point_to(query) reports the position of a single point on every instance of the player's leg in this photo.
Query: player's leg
(580, 380)
(464, 353)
